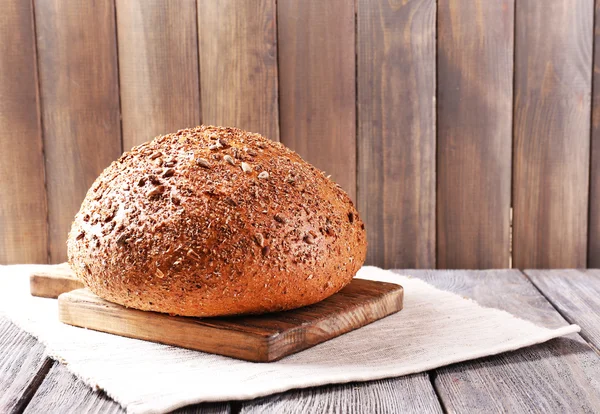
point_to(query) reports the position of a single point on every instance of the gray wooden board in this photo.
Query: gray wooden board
(23, 365)
(576, 295)
(562, 375)
(62, 392)
(410, 394)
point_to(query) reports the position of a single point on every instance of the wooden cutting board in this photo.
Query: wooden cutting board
(262, 338)
(53, 280)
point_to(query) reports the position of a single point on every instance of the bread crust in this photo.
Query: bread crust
(214, 221)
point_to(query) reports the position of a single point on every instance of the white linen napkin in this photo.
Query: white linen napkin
(434, 329)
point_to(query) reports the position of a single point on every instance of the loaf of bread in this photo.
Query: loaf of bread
(215, 221)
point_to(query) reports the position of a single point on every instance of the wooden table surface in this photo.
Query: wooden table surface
(560, 376)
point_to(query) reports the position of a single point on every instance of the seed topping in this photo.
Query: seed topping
(155, 191)
(260, 239)
(309, 239)
(229, 159)
(246, 167)
(203, 162)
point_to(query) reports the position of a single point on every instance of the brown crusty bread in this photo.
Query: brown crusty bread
(215, 221)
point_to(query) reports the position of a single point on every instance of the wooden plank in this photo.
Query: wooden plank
(562, 375)
(474, 115)
(409, 394)
(158, 68)
(260, 338)
(552, 133)
(80, 104)
(62, 392)
(396, 131)
(53, 281)
(212, 408)
(576, 295)
(594, 207)
(23, 366)
(23, 228)
(238, 64)
(317, 89)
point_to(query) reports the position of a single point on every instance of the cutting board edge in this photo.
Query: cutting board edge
(50, 285)
(362, 305)
(393, 301)
(69, 302)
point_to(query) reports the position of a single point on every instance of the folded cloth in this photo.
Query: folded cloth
(434, 329)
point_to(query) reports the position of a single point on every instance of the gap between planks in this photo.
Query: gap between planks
(61, 391)
(583, 334)
(574, 295)
(562, 373)
(24, 365)
(493, 366)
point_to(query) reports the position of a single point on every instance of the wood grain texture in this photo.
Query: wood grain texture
(576, 295)
(207, 408)
(62, 392)
(562, 375)
(396, 131)
(158, 68)
(594, 207)
(553, 61)
(23, 227)
(80, 104)
(23, 365)
(53, 281)
(474, 115)
(238, 64)
(317, 90)
(261, 338)
(409, 394)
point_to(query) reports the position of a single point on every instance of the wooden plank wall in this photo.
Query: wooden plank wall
(437, 118)
(474, 120)
(553, 84)
(238, 64)
(158, 68)
(79, 92)
(594, 213)
(317, 85)
(396, 131)
(23, 225)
